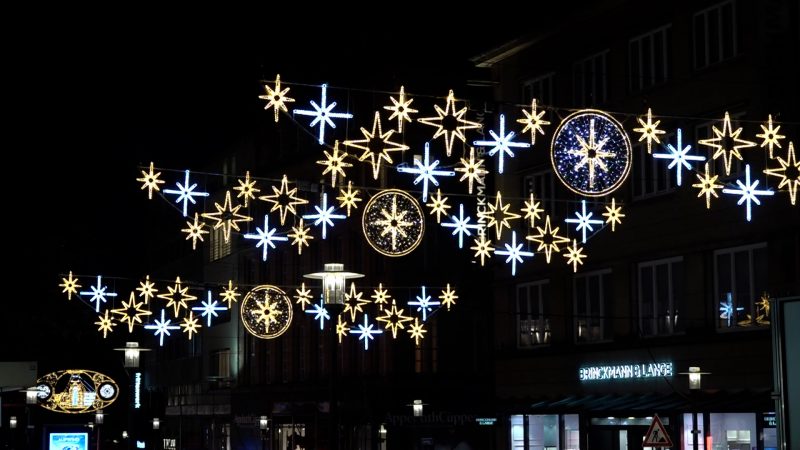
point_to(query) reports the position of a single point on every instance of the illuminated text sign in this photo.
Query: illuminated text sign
(137, 386)
(625, 371)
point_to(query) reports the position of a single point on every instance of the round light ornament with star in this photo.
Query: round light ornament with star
(591, 153)
(393, 222)
(266, 312)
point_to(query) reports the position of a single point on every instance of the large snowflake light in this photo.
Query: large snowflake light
(679, 156)
(501, 143)
(393, 222)
(266, 312)
(186, 193)
(322, 114)
(461, 225)
(748, 191)
(324, 215)
(514, 252)
(450, 123)
(266, 237)
(584, 221)
(426, 171)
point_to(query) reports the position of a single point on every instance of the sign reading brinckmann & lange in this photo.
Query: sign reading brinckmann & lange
(625, 371)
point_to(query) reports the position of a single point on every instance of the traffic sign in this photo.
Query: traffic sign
(657, 435)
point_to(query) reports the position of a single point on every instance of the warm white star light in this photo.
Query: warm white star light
(190, 325)
(532, 210)
(195, 231)
(461, 225)
(770, 137)
(162, 327)
(342, 330)
(501, 143)
(283, 199)
(679, 156)
(448, 297)
(70, 286)
(533, 121)
(514, 252)
(300, 236)
(105, 324)
(708, 186)
(150, 180)
(246, 189)
(789, 173)
(725, 137)
(147, 289)
(498, 215)
(303, 296)
(394, 223)
(186, 193)
(548, 239)
(747, 190)
(591, 153)
(230, 294)
(483, 248)
(394, 319)
(353, 303)
(472, 169)
(426, 172)
(365, 332)
(450, 123)
(227, 217)
(424, 304)
(574, 255)
(324, 215)
(277, 99)
(98, 293)
(613, 214)
(401, 108)
(349, 198)
(380, 296)
(209, 309)
(584, 221)
(266, 237)
(335, 163)
(177, 296)
(438, 205)
(649, 130)
(376, 145)
(322, 114)
(417, 331)
(131, 312)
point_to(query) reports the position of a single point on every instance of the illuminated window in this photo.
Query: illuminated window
(740, 279)
(541, 185)
(717, 166)
(648, 59)
(590, 87)
(715, 34)
(533, 325)
(592, 293)
(542, 432)
(219, 248)
(733, 430)
(540, 88)
(661, 297)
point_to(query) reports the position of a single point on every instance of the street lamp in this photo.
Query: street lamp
(263, 425)
(12, 422)
(31, 396)
(156, 423)
(333, 279)
(694, 377)
(132, 353)
(416, 407)
(99, 417)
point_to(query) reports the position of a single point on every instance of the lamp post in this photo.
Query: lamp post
(695, 378)
(417, 408)
(382, 432)
(132, 354)
(263, 425)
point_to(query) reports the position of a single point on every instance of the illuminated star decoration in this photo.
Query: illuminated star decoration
(324, 215)
(762, 305)
(726, 309)
(426, 172)
(353, 302)
(438, 205)
(401, 109)
(98, 294)
(649, 130)
(591, 153)
(394, 319)
(341, 328)
(70, 286)
(708, 186)
(501, 143)
(195, 231)
(514, 252)
(266, 312)
(105, 324)
(679, 156)
(162, 327)
(532, 210)
(584, 221)
(417, 331)
(147, 289)
(448, 297)
(334, 163)
(278, 99)
(322, 114)
(185, 193)
(190, 325)
(473, 170)
(265, 237)
(381, 296)
(349, 198)
(770, 136)
(209, 309)
(533, 121)
(394, 223)
(227, 217)
(483, 248)
(748, 191)
(320, 313)
(131, 312)
(366, 331)
(300, 236)
(721, 140)
(548, 239)
(283, 199)
(230, 293)
(177, 296)
(792, 165)
(461, 225)
(303, 296)
(424, 303)
(150, 180)
(376, 141)
(450, 123)
(574, 255)
(246, 188)
(491, 215)
(613, 214)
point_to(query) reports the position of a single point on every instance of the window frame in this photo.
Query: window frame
(754, 295)
(546, 87)
(542, 320)
(603, 305)
(672, 295)
(664, 30)
(580, 96)
(720, 30)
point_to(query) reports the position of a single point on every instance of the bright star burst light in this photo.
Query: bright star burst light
(498, 209)
(209, 309)
(150, 180)
(426, 172)
(748, 191)
(366, 331)
(417, 331)
(300, 236)
(195, 231)
(177, 296)
(266, 312)
(548, 239)
(186, 193)
(322, 114)
(353, 303)
(162, 328)
(791, 164)
(131, 312)
(341, 328)
(461, 225)
(376, 145)
(265, 237)
(394, 319)
(472, 169)
(393, 222)
(770, 137)
(438, 205)
(283, 199)
(105, 324)
(532, 210)
(246, 188)
(320, 313)
(334, 163)
(449, 123)
(483, 248)
(230, 293)
(349, 198)
(401, 108)
(591, 153)
(679, 156)
(584, 221)
(649, 130)
(424, 304)
(613, 214)
(147, 289)
(533, 121)
(70, 286)
(727, 310)
(574, 255)
(501, 143)
(708, 186)
(303, 296)
(227, 217)
(448, 297)
(380, 296)
(324, 215)
(190, 325)
(514, 252)
(277, 98)
(98, 293)
(722, 138)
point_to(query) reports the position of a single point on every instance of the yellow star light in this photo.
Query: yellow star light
(353, 302)
(190, 325)
(473, 170)
(381, 296)
(150, 181)
(448, 297)
(649, 130)
(591, 153)
(147, 289)
(342, 329)
(533, 121)
(195, 231)
(246, 188)
(762, 305)
(438, 205)
(335, 163)
(483, 248)
(300, 236)
(548, 239)
(532, 210)
(376, 141)
(284, 199)
(267, 312)
(708, 185)
(450, 123)
(613, 214)
(394, 223)
(401, 109)
(721, 141)
(227, 217)
(574, 255)
(792, 180)
(277, 97)
(498, 209)
(417, 331)
(177, 297)
(70, 285)
(131, 312)
(770, 136)
(303, 296)
(394, 319)
(230, 293)
(105, 324)
(349, 198)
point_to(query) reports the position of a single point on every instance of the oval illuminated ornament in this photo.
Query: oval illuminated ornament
(76, 391)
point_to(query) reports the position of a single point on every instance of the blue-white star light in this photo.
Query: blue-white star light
(424, 303)
(426, 172)
(265, 238)
(320, 313)
(679, 156)
(185, 192)
(584, 221)
(501, 143)
(726, 309)
(514, 252)
(461, 225)
(748, 191)
(209, 309)
(323, 113)
(324, 215)
(366, 331)
(162, 327)
(98, 293)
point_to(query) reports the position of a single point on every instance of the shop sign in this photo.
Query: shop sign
(486, 421)
(625, 371)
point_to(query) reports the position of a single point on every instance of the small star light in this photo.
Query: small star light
(438, 205)
(574, 255)
(376, 141)
(227, 217)
(195, 231)
(424, 303)
(186, 193)
(320, 313)
(162, 327)
(708, 186)
(190, 325)
(394, 319)
(303, 296)
(448, 297)
(450, 123)
(342, 329)
(265, 237)
(426, 171)
(209, 309)
(131, 312)
(483, 248)
(98, 294)
(770, 136)
(283, 199)
(501, 143)
(366, 331)
(381, 296)
(679, 156)
(498, 209)
(300, 236)
(727, 310)
(401, 109)
(246, 188)
(322, 114)
(533, 121)
(150, 180)
(532, 210)
(70, 285)
(514, 252)
(748, 191)
(277, 99)
(105, 324)
(722, 139)
(417, 331)
(349, 198)
(473, 170)
(335, 164)
(147, 289)
(548, 239)
(762, 306)
(584, 221)
(792, 180)
(177, 296)
(649, 130)
(353, 302)
(613, 214)
(324, 215)
(461, 225)
(230, 293)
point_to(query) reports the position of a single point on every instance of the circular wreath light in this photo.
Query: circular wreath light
(393, 222)
(266, 312)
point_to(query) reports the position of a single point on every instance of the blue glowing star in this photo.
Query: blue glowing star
(461, 225)
(185, 192)
(726, 310)
(209, 309)
(162, 327)
(366, 331)
(748, 191)
(427, 172)
(265, 237)
(320, 313)
(322, 113)
(424, 303)
(679, 156)
(514, 253)
(501, 143)
(98, 294)
(324, 215)
(584, 221)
